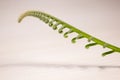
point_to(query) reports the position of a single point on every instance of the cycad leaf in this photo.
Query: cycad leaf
(61, 29)
(75, 38)
(106, 53)
(66, 34)
(89, 45)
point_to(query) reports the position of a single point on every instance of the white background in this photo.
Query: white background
(33, 42)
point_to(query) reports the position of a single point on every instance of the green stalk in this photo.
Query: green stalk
(49, 19)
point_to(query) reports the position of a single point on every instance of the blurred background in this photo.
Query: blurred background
(25, 46)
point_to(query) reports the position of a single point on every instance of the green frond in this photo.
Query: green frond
(54, 22)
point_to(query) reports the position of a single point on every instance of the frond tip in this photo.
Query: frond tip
(55, 22)
(76, 38)
(89, 45)
(66, 34)
(106, 53)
